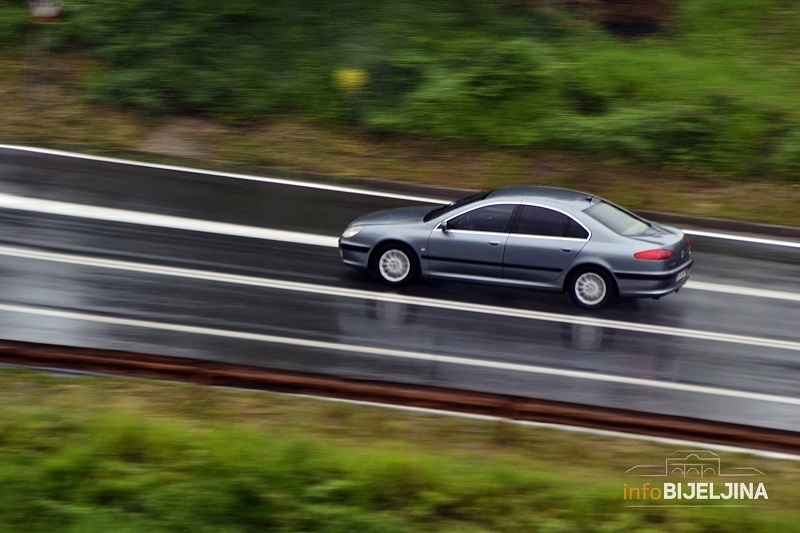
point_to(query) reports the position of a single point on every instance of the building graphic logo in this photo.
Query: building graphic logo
(694, 475)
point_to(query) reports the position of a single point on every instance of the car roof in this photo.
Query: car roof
(538, 192)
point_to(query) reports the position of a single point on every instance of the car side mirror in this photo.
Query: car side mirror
(443, 226)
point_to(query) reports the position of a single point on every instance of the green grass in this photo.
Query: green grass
(98, 454)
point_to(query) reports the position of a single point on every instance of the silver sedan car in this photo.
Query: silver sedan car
(540, 238)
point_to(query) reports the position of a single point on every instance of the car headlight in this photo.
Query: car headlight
(351, 232)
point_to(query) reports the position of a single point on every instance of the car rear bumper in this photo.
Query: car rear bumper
(646, 285)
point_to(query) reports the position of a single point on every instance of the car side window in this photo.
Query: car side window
(576, 231)
(534, 220)
(492, 218)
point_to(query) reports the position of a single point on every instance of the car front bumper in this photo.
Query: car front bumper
(353, 254)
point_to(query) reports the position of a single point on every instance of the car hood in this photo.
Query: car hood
(402, 215)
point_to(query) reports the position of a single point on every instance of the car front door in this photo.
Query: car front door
(472, 243)
(542, 244)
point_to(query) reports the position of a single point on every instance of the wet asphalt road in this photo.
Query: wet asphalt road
(717, 359)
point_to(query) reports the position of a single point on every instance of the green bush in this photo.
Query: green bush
(15, 21)
(786, 159)
(712, 92)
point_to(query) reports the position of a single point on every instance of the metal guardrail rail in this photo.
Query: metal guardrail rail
(210, 373)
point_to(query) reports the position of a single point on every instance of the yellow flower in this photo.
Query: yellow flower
(350, 79)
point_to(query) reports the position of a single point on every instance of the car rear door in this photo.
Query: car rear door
(542, 244)
(471, 243)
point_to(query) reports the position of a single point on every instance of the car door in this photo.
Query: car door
(543, 242)
(471, 243)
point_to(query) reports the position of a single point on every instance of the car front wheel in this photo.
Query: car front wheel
(591, 288)
(395, 264)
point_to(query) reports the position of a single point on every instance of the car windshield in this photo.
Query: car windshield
(617, 219)
(453, 205)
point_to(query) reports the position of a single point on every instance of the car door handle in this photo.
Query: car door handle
(566, 249)
(494, 243)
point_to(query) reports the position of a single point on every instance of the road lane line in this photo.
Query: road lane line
(333, 188)
(53, 207)
(742, 238)
(232, 175)
(400, 354)
(673, 442)
(743, 291)
(398, 298)
(107, 214)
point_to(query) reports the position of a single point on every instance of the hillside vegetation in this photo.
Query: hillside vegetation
(117, 455)
(704, 87)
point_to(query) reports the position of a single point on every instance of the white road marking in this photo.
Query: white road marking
(742, 291)
(334, 188)
(402, 354)
(53, 207)
(680, 443)
(232, 175)
(190, 224)
(108, 214)
(742, 238)
(398, 298)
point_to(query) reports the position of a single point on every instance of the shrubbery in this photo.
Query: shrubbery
(712, 92)
(112, 455)
(14, 20)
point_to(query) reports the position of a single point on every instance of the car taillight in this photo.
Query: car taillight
(655, 255)
(688, 241)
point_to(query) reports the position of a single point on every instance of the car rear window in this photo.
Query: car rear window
(617, 219)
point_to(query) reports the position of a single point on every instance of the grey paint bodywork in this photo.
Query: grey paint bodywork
(544, 263)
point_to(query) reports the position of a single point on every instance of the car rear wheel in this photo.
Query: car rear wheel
(591, 288)
(395, 264)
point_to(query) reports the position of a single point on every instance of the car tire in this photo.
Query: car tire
(395, 264)
(591, 288)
